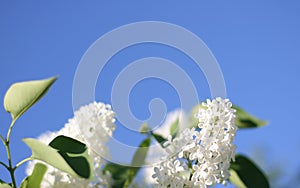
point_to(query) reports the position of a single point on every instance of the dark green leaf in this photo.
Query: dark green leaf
(160, 139)
(68, 145)
(244, 173)
(174, 128)
(246, 120)
(124, 175)
(65, 156)
(74, 153)
(35, 179)
(21, 96)
(119, 173)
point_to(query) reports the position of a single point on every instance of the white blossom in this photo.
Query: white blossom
(215, 149)
(95, 122)
(208, 150)
(155, 152)
(170, 173)
(185, 139)
(91, 123)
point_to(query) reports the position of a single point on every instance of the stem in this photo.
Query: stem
(22, 162)
(2, 139)
(190, 165)
(6, 143)
(3, 164)
(9, 130)
(10, 167)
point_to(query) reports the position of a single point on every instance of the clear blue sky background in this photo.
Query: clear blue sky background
(256, 43)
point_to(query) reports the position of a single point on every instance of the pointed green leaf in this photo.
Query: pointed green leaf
(160, 139)
(21, 96)
(35, 179)
(141, 153)
(68, 156)
(174, 128)
(124, 175)
(246, 120)
(244, 173)
(138, 160)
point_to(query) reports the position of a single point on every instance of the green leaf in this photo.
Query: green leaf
(160, 139)
(75, 153)
(124, 175)
(119, 173)
(35, 179)
(4, 185)
(246, 120)
(244, 173)
(68, 145)
(144, 128)
(174, 128)
(138, 160)
(21, 96)
(64, 153)
(141, 153)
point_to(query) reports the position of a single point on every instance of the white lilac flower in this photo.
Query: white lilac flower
(185, 139)
(155, 152)
(208, 150)
(215, 149)
(91, 123)
(170, 173)
(95, 122)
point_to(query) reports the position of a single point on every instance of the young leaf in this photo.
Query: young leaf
(21, 96)
(4, 185)
(35, 179)
(244, 173)
(144, 128)
(63, 153)
(174, 128)
(246, 120)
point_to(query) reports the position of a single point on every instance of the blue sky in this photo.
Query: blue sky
(256, 44)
